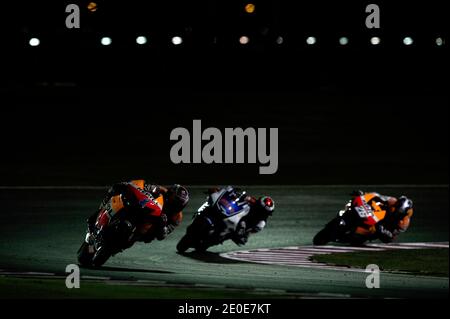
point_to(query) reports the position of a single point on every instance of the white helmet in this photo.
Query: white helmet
(267, 204)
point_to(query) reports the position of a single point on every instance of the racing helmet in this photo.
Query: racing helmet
(267, 204)
(404, 206)
(177, 198)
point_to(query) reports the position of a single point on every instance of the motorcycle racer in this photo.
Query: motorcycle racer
(368, 216)
(227, 213)
(256, 220)
(398, 214)
(167, 209)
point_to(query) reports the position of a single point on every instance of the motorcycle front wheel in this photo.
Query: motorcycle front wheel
(84, 255)
(327, 234)
(195, 236)
(101, 256)
(185, 243)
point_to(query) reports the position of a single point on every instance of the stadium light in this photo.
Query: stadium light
(343, 41)
(244, 40)
(279, 40)
(34, 42)
(177, 40)
(92, 6)
(375, 40)
(310, 40)
(408, 41)
(106, 41)
(440, 42)
(141, 40)
(250, 8)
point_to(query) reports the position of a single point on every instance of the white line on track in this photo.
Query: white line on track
(95, 277)
(300, 256)
(431, 245)
(26, 273)
(39, 273)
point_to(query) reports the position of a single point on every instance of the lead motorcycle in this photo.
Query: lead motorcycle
(216, 220)
(118, 226)
(355, 224)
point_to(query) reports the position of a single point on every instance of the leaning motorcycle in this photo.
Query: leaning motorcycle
(216, 220)
(115, 227)
(355, 224)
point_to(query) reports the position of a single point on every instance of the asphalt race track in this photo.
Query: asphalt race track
(42, 228)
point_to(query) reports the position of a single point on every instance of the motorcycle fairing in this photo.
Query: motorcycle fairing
(229, 203)
(140, 184)
(103, 218)
(146, 200)
(365, 231)
(370, 213)
(116, 203)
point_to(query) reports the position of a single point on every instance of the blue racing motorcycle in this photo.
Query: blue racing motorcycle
(216, 220)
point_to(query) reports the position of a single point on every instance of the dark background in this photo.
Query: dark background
(73, 112)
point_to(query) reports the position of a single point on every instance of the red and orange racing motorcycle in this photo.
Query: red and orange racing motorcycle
(119, 225)
(355, 224)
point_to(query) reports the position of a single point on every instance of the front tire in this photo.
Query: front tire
(184, 244)
(101, 256)
(84, 255)
(195, 237)
(327, 234)
(323, 237)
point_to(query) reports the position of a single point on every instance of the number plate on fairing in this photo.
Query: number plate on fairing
(364, 211)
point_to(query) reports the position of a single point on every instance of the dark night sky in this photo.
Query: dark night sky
(81, 114)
